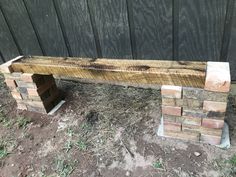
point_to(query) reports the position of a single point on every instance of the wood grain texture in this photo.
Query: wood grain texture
(7, 44)
(21, 26)
(45, 19)
(232, 46)
(153, 28)
(159, 72)
(201, 25)
(75, 16)
(112, 25)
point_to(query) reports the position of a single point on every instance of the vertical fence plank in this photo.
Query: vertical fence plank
(201, 25)
(7, 44)
(2, 60)
(76, 19)
(232, 46)
(21, 26)
(45, 19)
(153, 28)
(111, 21)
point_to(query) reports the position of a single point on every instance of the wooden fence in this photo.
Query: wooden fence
(137, 29)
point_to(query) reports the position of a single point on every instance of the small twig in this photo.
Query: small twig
(131, 154)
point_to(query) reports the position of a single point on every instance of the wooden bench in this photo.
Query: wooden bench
(194, 94)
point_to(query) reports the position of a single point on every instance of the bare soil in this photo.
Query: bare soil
(104, 131)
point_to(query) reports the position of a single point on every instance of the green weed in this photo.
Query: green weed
(22, 122)
(68, 145)
(226, 167)
(232, 161)
(158, 165)
(82, 146)
(3, 149)
(70, 132)
(64, 168)
(6, 122)
(86, 127)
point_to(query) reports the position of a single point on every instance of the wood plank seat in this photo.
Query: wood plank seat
(150, 72)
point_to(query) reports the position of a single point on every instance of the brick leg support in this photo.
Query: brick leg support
(33, 92)
(197, 114)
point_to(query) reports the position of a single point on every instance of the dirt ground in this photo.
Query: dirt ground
(104, 131)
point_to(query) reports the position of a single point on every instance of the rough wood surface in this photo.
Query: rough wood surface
(191, 74)
(7, 44)
(19, 21)
(201, 26)
(76, 19)
(232, 52)
(45, 19)
(111, 21)
(153, 28)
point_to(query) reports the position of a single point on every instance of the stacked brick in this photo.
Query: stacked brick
(33, 92)
(197, 114)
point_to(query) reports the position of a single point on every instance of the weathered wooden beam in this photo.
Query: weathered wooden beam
(152, 72)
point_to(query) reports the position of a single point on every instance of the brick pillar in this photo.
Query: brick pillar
(33, 92)
(198, 114)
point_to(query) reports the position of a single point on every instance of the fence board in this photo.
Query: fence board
(7, 44)
(201, 25)
(153, 28)
(45, 20)
(232, 50)
(21, 26)
(1, 58)
(76, 19)
(111, 22)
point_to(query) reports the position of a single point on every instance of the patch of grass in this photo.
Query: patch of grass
(82, 146)
(70, 132)
(42, 173)
(22, 122)
(64, 168)
(68, 146)
(226, 167)
(6, 122)
(158, 164)
(3, 149)
(232, 161)
(2, 81)
(87, 127)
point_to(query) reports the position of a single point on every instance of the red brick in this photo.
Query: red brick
(218, 77)
(193, 93)
(216, 115)
(16, 95)
(14, 75)
(21, 106)
(172, 126)
(169, 101)
(170, 110)
(192, 121)
(10, 83)
(188, 136)
(27, 77)
(202, 130)
(169, 118)
(26, 84)
(170, 91)
(212, 123)
(32, 91)
(194, 113)
(210, 139)
(214, 106)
